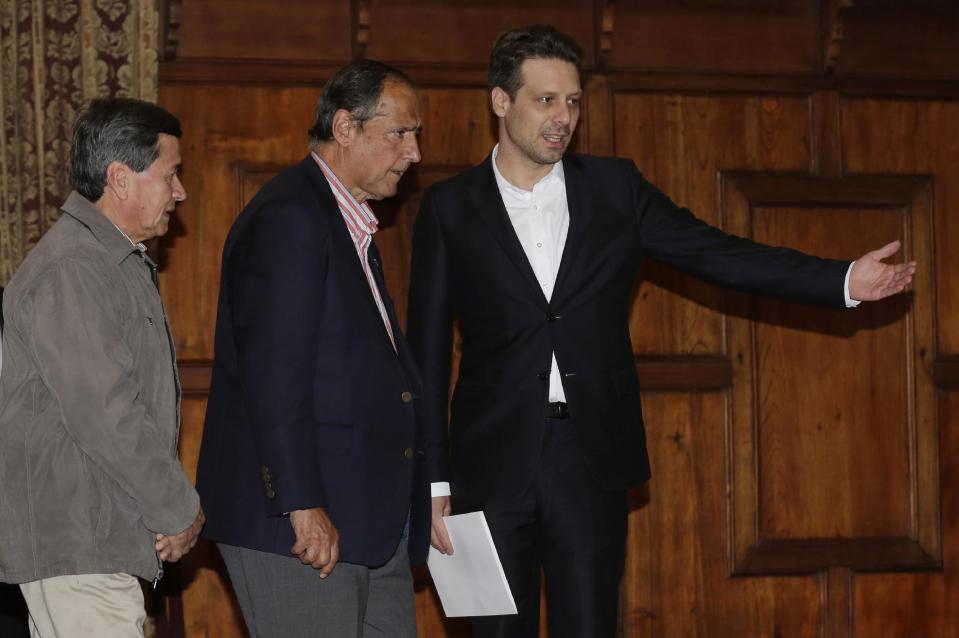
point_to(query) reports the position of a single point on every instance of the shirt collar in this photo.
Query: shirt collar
(105, 231)
(556, 173)
(362, 214)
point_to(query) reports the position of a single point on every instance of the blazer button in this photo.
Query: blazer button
(407, 397)
(408, 452)
(270, 494)
(551, 318)
(542, 376)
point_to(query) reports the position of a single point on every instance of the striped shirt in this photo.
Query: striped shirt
(362, 223)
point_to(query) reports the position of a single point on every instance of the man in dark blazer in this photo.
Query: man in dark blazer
(536, 253)
(310, 466)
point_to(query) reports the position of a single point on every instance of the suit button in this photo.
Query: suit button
(542, 376)
(408, 452)
(551, 318)
(407, 397)
(270, 494)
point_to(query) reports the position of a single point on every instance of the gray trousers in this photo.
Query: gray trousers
(282, 598)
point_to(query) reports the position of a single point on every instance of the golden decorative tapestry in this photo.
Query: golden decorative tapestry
(55, 55)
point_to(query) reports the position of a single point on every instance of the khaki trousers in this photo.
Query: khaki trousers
(94, 605)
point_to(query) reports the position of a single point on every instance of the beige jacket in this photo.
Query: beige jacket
(89, 409)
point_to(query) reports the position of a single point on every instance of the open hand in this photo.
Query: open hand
(871, 279)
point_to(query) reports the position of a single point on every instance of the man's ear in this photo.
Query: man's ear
(500, 101)
(119, 180)
(343, 127)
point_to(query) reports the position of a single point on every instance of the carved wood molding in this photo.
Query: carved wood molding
(361, 27)
(752, 553)
(684, 373)
(666, 373)
(675, 373)
(831, 31)
(607, 21)
(170, 11)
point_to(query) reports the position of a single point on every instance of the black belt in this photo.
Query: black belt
(557, 410)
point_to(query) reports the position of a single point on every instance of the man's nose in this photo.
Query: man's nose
(179, 193)
(413, 149)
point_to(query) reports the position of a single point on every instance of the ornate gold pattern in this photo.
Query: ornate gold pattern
(54, 56)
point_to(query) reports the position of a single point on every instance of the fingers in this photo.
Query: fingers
(334, 555)
(888, 250)
(440, 537)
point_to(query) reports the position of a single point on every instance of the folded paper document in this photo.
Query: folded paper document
(471, 582)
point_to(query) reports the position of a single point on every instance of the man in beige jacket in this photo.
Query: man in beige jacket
(92, 494)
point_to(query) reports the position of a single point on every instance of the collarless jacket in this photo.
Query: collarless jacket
(89, 409)
(469, 264)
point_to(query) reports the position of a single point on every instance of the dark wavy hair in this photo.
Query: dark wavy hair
(540, 42)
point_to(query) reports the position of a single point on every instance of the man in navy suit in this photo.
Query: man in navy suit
(536, 252)
(310, 466)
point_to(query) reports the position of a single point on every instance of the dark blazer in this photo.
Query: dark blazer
(309, 404)
(468, 263)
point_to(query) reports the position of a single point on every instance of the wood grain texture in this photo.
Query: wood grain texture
(264, 30)
(692, 91)
(833, 413)
(680, 142)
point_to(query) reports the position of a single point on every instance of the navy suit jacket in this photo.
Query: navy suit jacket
(310, 406)
(469, 263)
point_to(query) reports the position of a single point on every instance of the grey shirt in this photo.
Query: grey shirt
(89, 408)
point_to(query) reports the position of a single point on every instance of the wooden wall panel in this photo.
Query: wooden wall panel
(207, 602)
(920, 138)
(920, 604)
(694, 92)
(680, 142)
(677, 581)
(832, 463)
(466, 29)
(223, 128)
(716, 36)
(303, 30)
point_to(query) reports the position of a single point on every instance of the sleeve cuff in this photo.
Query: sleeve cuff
(850, 302)
(439, 489)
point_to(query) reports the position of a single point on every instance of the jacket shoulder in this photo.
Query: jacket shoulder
(458, 184)
(598, 165)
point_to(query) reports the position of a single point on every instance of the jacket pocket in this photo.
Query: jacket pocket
(334, 439)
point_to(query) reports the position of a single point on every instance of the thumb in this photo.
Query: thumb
(888, 250)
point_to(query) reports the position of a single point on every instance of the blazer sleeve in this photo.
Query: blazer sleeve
(430, 332)
(277, 280)
(674, 235)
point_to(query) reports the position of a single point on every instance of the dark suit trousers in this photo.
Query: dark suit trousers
(566, 525)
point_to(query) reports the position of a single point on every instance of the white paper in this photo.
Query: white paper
(471, 582)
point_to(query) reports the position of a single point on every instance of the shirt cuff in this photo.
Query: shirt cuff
(850, 302)
(440, 489)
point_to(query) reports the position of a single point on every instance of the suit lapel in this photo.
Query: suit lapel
(580, 209)
(340, 235)
(489, 202)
